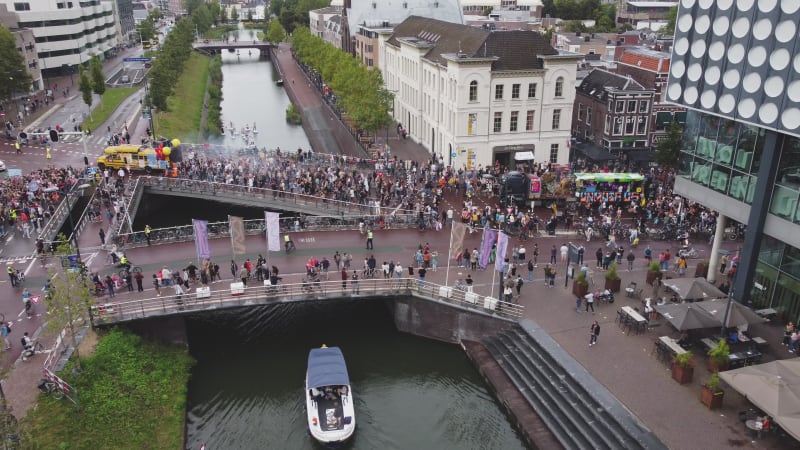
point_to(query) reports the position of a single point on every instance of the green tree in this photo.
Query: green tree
(202, 18)
(672, 16)
(215, 10)
(668, 150)
(275, 32)
(15, 78)
(223, 15)
(249, 14)
(68, 299)
(234, 14)
(191, 5)
(146, 29)
(98, 79)
(85, 86)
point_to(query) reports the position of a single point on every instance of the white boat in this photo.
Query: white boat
(329, 399)
(279, 82)
(254, 128)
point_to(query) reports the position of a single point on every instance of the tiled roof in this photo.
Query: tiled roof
(646, 59)
(515, 50)
(599, 82)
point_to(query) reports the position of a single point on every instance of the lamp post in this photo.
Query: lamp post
(149, 107)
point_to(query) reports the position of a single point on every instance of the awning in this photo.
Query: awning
(326, 367)
(611, 176)
(663, 118)
(523, 156)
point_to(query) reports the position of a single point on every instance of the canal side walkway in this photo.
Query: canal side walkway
(321, 123)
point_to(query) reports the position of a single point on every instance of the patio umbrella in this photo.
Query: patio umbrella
(774, 388)
(693, 288)
(739, 315)
(687, 316)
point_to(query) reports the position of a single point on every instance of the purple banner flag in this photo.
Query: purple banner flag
(201, 239)
(457, 233)
(489, 238)
(502, 247)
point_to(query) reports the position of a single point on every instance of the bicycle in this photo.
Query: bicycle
(36, 347)
(133, 269)
(289, 247)
(50, 388)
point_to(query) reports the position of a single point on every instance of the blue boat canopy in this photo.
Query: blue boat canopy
(326, 367)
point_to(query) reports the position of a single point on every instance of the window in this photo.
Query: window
(631, 106)
(629, 126)
(559, 87)
(620, 107)
(473, 91)
(588, 116)
(515, 90)
(472, 123)
(514, 119)
(607, 128)
(529, 120)
(643, 107)
(22, 6)
(531, 90)
(498, 92)
(641, 127)
(618, 126)
(553, 153)
(556, 118)
(580, 112)
(498, 122)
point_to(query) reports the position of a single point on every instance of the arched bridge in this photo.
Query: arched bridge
(235, 296)
(212, 47)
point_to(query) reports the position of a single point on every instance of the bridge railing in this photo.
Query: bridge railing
(50, 229)
(229, 297)
(185, 233)
(213, 188)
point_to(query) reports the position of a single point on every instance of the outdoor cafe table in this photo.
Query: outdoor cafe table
(633, 318)
(672, 344)
(744, 358)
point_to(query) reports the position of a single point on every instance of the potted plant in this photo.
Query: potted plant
(653, 272)
(683, 368)
(718, 356)
(712, 395)
(613, 282)
(701, 270)
(580, 287)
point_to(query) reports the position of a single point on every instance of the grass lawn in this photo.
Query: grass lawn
(132, 396)
(182, 121)
(111, 99)
(216, 34)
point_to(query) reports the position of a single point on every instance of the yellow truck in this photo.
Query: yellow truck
(131, 157)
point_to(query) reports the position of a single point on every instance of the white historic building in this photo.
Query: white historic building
(476, 96)
(67, 32)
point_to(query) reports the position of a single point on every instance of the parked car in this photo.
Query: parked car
(2, 166)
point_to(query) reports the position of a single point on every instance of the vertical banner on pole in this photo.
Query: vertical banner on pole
(271, 220)
(201, 239)
(457, 237)
(489, 238)
(236, 225)
(502, 247)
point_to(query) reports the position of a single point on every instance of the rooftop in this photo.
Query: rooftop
(511, 50)
(653, 4)
(599, 83)
(377, 13)
(646, 58)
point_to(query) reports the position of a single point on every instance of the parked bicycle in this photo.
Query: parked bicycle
(50, 388)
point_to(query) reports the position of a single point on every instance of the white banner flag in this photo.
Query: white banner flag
(271, 219)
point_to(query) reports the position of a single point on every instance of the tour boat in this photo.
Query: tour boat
(254, 128)
(329, 399)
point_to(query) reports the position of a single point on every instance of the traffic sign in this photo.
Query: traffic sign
(137, 59)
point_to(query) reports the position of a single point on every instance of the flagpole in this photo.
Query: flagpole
(449, 255)
(494, 274)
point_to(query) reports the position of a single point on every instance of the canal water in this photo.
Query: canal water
(250, 95)
(246, 391)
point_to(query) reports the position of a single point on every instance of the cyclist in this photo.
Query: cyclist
(27, 344)
(288, 244)
(12, 275)
(26, 299)
(123, 262)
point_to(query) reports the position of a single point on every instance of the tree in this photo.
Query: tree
(234, 14)
(98, 79)
(146, 29)
(85, 86)
(275, 32)
(672, 17)
(68, 299)
(215, 10)
(249, 14)
(15, 78)
(668, 150)
(223, 15)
